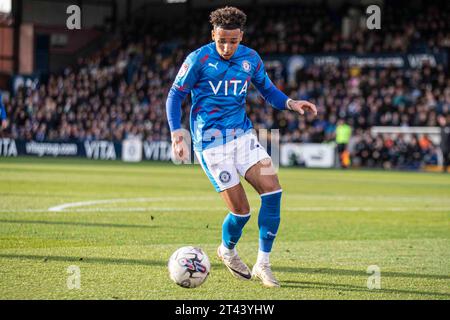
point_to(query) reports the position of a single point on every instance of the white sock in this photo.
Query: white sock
(226, 251)
(263, 257)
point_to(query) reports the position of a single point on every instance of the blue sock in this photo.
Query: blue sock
(232, 229)
(269, 219)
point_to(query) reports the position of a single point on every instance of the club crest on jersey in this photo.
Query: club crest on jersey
(184, 68)
(246, 66)
(225, 176)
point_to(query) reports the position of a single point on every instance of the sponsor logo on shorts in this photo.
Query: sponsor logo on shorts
(225, 177)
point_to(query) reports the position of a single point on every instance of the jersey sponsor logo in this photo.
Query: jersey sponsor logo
(246, 66)
(183, 70)
(229, 87)
(224, 177)
(213, 65)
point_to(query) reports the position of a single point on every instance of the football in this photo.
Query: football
(189, 267)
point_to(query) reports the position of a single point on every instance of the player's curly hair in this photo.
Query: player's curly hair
(228, 18)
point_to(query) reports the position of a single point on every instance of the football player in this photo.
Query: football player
(218, 76)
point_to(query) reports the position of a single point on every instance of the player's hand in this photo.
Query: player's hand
(301, 106)
(180, 148)
(4, 124)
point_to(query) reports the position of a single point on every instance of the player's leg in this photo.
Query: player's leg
(255, 165)
(264, 179)
(225, 179)
(233, 224)
(239, 214)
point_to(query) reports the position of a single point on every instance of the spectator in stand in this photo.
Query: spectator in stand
(120, 90)
(444, 125)
(414, 154)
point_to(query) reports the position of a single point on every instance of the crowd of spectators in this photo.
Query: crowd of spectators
(384, 151)
(121, 91)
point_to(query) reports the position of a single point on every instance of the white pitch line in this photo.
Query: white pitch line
(299, 209)
(422, 199)
(108, 201)
(369, 198)
(74, 206)
(223, 209)
(367, 209)
(177, 198)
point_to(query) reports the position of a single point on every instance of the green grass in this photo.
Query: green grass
(335, 224)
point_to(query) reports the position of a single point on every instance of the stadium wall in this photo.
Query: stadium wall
(97, 150)
(310, 155)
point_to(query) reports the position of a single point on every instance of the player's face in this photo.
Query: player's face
(227, 41)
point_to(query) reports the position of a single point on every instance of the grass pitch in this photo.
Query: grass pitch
(119, 223)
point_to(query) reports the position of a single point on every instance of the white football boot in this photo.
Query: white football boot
(237, 268)
(263, 272)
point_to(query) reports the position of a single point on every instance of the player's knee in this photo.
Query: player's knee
(271, 186)
(241, 210)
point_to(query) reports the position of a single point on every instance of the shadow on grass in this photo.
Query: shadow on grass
(346, 272)
(95, 260)
(98, 260)
(346, 287)
(108, 225)
(300, 270)
(81, 224)
(285, 284)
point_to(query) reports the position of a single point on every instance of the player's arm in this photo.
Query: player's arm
(275, 96)
(4, 122)
(185, 80)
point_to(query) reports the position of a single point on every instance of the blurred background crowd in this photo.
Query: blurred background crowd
(120, 91)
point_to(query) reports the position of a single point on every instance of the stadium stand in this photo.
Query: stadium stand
(120, 91)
